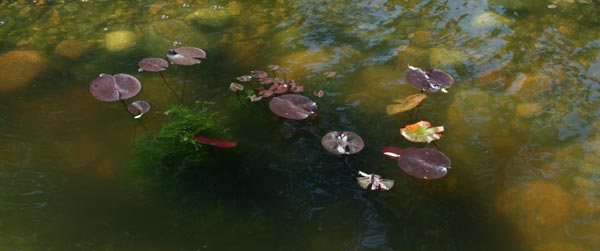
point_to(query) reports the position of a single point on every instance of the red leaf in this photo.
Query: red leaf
(215, 142)
(391, 152)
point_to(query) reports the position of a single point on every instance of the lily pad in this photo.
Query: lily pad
(422, 132)
(342, 143)
(292, 106)
(138, 108)
(424, 163)
(112, 88)
(186, 55)
(220, 143)
(431, 80)
(153, 64)
(405, 104)
(374, 181)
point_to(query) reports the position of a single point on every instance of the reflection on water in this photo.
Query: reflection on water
(519, 126)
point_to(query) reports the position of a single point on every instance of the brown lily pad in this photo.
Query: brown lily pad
(405, 104)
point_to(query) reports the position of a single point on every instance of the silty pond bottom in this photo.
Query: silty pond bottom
(520, 124)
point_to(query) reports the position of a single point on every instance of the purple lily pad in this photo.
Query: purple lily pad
(259, 74)
(342, 143)
(153, 64)
(186, 55)
(431, 80)
(424, 163)
(138, 108)
(292, 106)
(112, 88)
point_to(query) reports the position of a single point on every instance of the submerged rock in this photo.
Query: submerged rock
(215, 16)
(538, 210)
(18, 68)
(444, 58)
(72, 48)
(120, 40)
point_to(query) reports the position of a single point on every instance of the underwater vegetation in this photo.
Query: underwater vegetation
(186, 144)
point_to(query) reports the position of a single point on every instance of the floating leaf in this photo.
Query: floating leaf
(405, 104)
(342, 143)
(153, 64)
(138, 108)
(236, 87)
(431, 80)
(374, 181)
(245, 78)
(186, 55)
(259, 74)
(424, 163)
(112, 88)
(292, 106)
(422, 132)
(214, 141)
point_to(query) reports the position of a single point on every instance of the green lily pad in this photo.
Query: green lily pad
(422, 132)
(405, 104)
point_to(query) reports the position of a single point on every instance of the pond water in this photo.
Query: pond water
(521, 126)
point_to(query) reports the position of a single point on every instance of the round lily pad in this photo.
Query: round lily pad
(292, 106)
(153, 64)
(138, 108)
(424, 163)
(186, 55)
(431, 80)
(422, 132)
(342, 142)
(112, 88)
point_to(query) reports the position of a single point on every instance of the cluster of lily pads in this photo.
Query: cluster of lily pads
(122, 86)
(285, 100)
(420, 162)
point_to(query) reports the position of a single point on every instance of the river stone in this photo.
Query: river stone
(302, 63)
(162, 34)
(18, 68)
(215, 16)
(72, 48)
(120, 40)
(527, 87)
(471, 108)
(443, 58)
(529, 110)
(488, 21)
(538, 209)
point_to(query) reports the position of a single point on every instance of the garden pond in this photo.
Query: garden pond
(521, 126)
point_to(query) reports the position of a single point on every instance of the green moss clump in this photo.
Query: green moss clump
(172, 161)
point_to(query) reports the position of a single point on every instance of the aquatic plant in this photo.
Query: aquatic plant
(423, 163)
(157, 65)
(374, 181)
(112, 88)
(170, 158)
(431, 80)
(119, 87)
(339, 143)
(138, 108)
(292, 106)
(220, 143)
(405, 104)
(422, 132)
(185, 56)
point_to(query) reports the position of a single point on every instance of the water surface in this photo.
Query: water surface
(521, 126)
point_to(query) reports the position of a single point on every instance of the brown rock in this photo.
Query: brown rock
(18, 68)
(72, 48)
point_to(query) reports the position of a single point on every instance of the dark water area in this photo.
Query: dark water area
(520, 126)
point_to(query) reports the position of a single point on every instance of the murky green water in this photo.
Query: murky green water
(521, 126)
